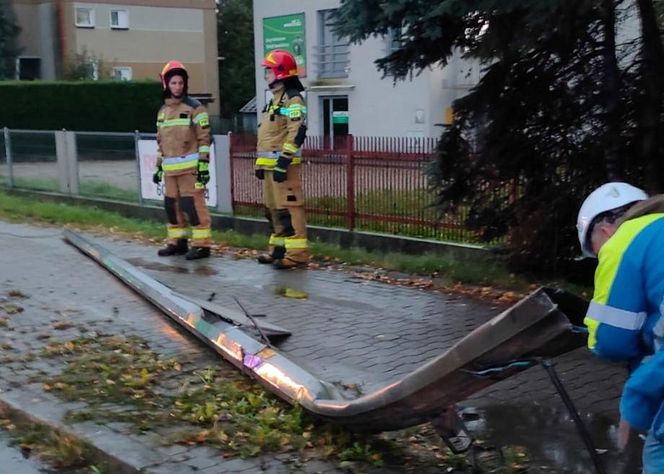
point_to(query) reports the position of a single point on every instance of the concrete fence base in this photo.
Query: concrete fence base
(246, 225)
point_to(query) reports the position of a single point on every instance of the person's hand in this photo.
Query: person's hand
(260, 173)
(624, 430)
(203, 172)
(158, 175)
(280, 172)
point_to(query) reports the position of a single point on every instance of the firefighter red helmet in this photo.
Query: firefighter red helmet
(282, 63)
(171, 68)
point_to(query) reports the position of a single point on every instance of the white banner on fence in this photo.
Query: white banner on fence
(147, 155)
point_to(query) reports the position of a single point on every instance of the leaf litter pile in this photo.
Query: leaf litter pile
(121, 379)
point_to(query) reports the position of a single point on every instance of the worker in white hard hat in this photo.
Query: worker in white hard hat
(624, 229)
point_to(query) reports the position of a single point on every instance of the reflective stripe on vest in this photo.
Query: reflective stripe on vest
(616, 317)
(178, 163)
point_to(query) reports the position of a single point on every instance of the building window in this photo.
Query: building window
(122, 73)
(333, 51)
(85, 17)
(28, 69)
(119, 19)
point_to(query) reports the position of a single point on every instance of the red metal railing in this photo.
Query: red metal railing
(366, 183)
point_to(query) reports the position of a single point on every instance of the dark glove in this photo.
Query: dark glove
(158, 175)
(260, 173)
(281, 169)
(203, 172)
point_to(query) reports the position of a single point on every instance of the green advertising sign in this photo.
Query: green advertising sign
(340, 116)
(286, 32)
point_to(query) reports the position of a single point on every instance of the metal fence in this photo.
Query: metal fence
(33, 159)
(105, 163)
(375, 184)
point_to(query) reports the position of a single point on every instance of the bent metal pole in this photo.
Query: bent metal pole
(536, 326)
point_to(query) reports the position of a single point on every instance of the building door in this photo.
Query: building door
(335, 121)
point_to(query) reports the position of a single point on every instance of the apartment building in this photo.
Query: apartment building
(345, 92)
(131, 39)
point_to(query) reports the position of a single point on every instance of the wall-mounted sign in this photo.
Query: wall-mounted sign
(340, 116)
(286, 32)
(147, 155)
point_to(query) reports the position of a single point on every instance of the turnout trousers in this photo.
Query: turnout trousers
(284, 209)
(183, 198)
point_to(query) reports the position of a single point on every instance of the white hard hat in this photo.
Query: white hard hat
(607, 197)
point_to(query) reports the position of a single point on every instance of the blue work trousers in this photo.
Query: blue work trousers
(653, 455)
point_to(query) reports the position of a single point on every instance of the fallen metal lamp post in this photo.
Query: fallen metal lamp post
(543, 325)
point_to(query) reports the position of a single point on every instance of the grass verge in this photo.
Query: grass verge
(445, 270)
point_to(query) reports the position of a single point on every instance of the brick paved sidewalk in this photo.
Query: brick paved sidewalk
(348, 331)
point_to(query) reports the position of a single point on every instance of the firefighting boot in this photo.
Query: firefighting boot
(277, 253)
(197, 252)
(180, 248)
(287, 263)
(265, 258)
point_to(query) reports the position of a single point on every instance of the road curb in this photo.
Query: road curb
(49, 414)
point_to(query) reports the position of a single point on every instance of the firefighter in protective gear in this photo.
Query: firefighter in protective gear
(624, 228)
(183, 137)
(281, 133)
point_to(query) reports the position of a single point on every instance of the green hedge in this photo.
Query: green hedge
(113, 106)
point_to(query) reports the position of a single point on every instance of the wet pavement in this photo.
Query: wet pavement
(13, 461)
(552, 439)
(349, 331)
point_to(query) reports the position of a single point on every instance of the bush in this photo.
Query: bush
(110, 106)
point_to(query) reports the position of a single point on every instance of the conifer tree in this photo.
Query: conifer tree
(567, 100)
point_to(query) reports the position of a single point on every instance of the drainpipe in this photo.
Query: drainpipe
(60, 19)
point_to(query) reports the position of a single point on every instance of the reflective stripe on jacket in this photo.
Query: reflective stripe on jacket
(268, 159)
(179, 163)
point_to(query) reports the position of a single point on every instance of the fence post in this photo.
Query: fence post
(137, 137)
(8, 158)
(72, 163)
(65, 150)
(223, 170)
(350, 184)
